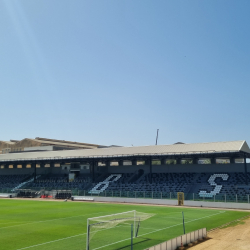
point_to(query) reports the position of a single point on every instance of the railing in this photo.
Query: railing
(181, 240)
(237, 198)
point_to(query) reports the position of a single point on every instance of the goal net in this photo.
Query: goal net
(108, 230)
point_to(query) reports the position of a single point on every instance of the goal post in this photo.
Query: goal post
(114, 228)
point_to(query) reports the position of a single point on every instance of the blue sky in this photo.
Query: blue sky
(113, 72)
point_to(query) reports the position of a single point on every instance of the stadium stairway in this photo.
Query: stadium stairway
(24, 183)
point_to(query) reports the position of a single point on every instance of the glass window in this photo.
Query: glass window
(140, 163)
(156, 162)
(240, 160)
(204, 161)
(126, 163)
(170, 161)
(222, 161)
(187, 161)
(114, 163)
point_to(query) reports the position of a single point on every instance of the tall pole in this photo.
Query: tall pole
(183, 223)
(156, 137)
(131, 236)
(87, 247)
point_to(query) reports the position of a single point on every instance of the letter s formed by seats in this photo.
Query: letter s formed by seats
(217, 188)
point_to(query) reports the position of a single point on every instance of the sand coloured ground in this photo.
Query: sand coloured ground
(230, 238)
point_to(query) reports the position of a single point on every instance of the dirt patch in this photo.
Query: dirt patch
(234, 237)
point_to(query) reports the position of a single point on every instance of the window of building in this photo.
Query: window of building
(170, 161)
(114, 163)
(140, 163)
(187, 161)
(19, 166)
(100, 163)
(127, 163)
(84, 166)
(222, 161)
(204, 161)
(239, 160)
(156, 162)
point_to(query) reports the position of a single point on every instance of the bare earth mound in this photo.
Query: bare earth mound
(231, 238)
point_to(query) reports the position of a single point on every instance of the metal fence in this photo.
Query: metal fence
(237, 198)
(181, 240)
(168, 195)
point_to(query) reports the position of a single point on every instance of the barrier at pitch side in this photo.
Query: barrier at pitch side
(81, 198)
(7, 195)
(180, 240)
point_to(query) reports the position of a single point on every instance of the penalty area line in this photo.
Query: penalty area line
(42, 221)
(160, 230)
(117, 241)
(52, 241)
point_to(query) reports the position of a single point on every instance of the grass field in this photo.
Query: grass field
(40, 225)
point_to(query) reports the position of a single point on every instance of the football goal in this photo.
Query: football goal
(104, 231)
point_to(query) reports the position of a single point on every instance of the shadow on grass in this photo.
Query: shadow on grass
(134, 244)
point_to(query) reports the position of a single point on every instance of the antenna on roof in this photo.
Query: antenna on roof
(156, 137)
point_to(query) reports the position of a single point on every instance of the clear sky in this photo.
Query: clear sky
(113, 72)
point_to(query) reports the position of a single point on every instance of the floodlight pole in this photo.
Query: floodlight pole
(183, 223)
(156, 137)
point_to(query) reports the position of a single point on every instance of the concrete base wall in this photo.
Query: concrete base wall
(174, 202)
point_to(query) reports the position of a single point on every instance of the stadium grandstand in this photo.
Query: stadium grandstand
(201, 170)
(42, 144)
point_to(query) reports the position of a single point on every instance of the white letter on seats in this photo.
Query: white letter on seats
(217, 188)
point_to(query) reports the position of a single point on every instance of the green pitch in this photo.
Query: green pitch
(40, 225)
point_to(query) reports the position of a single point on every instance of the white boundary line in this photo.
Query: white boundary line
(58, 240)
(62, 218)
(157, 230)
(117, 241)
(51, 241)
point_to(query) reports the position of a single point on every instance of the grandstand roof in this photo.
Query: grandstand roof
(63, 142)
(175, 149)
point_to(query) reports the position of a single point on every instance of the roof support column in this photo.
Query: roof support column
(150, 169)
(93, 171)
(33, 165)
(213, 160)
(134, 162)
(195, 160)
(245, 165)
